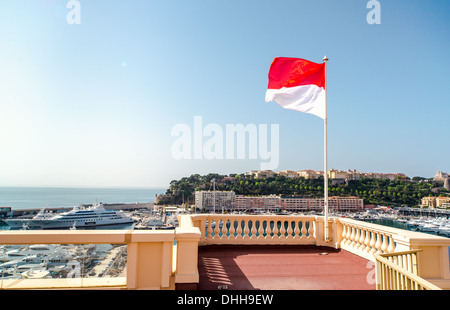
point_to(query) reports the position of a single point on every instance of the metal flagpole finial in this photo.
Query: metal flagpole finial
(325, 58)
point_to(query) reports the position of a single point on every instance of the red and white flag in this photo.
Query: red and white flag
(298, 85)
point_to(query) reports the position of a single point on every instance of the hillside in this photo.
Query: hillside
(373, 191)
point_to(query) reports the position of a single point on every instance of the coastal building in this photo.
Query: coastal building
(445, 205)
(218, 200)
(435, 202)
(440, 176)
(273, 203)
(382, 176)
(337, 174)
(264, 174)
(332, 174)
(335, 203)
(429, 202)
(440, 201)
(310, 174)
(268, 203)
(289, 174)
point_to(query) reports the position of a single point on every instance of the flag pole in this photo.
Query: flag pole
(325, 59)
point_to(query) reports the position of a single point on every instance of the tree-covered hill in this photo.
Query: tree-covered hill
(373, 191)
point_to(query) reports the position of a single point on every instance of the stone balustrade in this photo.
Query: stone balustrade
(168, 259)
(259, 229)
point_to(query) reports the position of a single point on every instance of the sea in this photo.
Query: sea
(53, 197)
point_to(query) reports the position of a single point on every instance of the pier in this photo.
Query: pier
(426, 212)
(114, 264)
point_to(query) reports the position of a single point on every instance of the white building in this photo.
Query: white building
(224, 200)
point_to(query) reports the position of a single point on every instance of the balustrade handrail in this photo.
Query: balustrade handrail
(136, 240)
(257, 229)
(391, 276)
(365, 239)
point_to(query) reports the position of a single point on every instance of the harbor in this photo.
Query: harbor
(39, 261)
(45, 261)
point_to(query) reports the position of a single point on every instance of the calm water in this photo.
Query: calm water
(396, 224)
(39, 197)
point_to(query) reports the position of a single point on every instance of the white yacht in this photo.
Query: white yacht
(444, 229)
(28, 252)
(80, 217)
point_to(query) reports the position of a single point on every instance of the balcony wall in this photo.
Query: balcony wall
(358, 237)
(167, 259)
(150, 263)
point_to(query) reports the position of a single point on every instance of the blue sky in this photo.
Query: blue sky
(93, 104)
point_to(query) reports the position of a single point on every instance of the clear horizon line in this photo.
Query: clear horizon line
(75, 186)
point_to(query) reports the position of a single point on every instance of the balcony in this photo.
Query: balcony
(217, 251)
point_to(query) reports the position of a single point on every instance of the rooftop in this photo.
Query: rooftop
(269, 267)
(251, 252)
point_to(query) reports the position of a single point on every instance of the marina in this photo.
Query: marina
(62, 261)
(45, 261)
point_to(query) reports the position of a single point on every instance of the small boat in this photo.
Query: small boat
(430, 227)
(38, 273)
(444, 229)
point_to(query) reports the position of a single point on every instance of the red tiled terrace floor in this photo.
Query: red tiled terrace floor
(282, 268)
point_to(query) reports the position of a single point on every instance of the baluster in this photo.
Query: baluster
(378, 243)
(275, 229)
(311, 229)
(384, 246)
(283, 230)
(367, 242)
(362, 245)
(373, 241)
(297, 229)
(226, 229)
(349, 235)
(209, 230)
(239, 229)
(246, 229)
(352, 236)
(356, 239)
(344, 234)
(269, 229)
(261, 229)
(289, 230)
(232, 229)
(217, 229)
(253, 230)
(304, 230)
(391, 247)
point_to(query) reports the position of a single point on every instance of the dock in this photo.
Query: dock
(113, 264)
